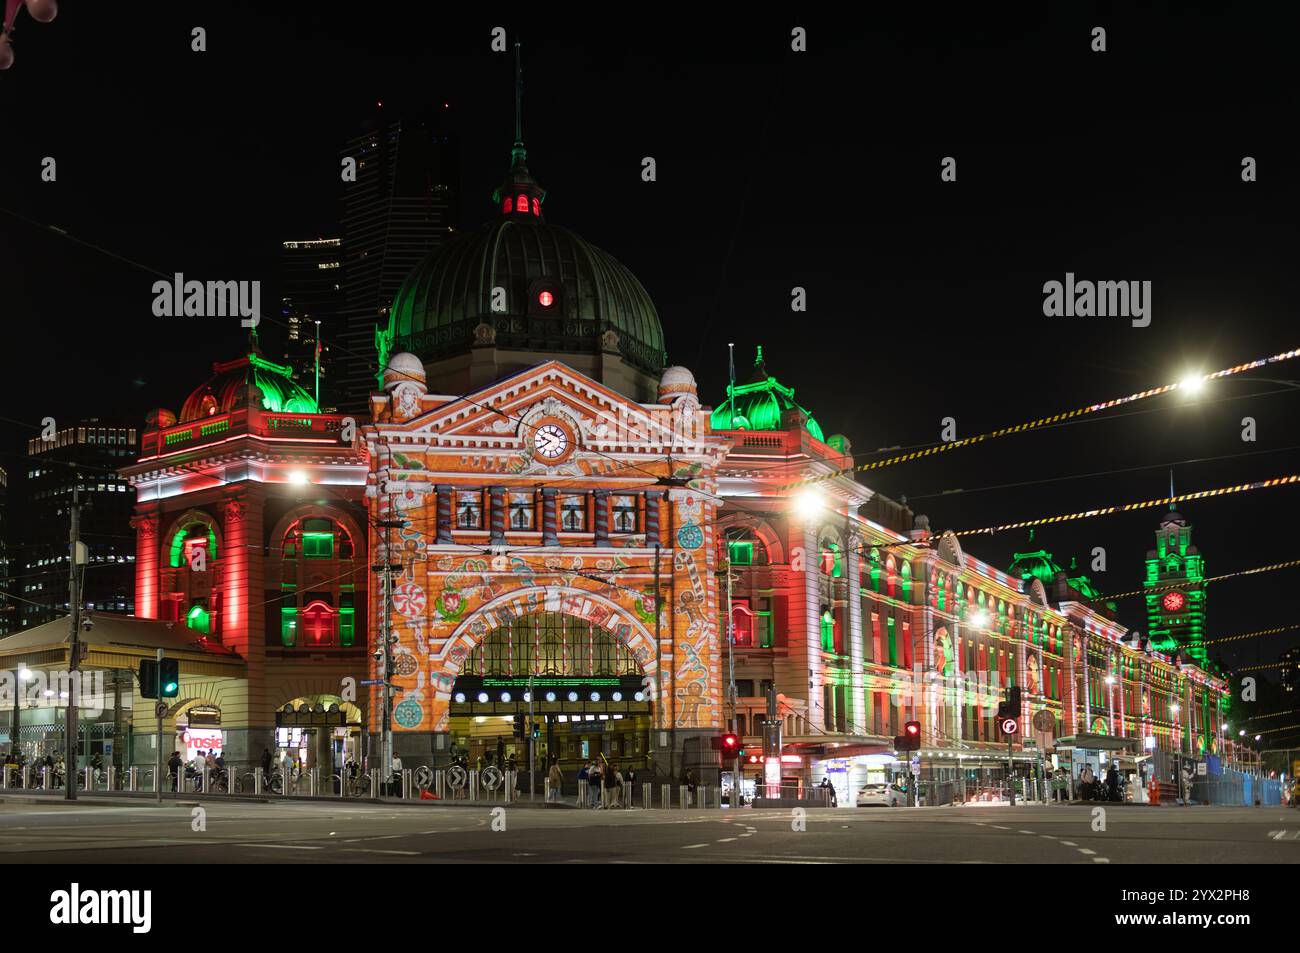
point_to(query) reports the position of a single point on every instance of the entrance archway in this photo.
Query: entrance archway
(566, 681)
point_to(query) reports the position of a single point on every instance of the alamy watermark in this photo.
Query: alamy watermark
(34, 688)
(208, 299)
(1101, 299)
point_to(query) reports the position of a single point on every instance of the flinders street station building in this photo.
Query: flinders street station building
(545, 533)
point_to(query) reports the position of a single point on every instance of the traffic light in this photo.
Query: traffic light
(148, 678)
(1013, 703)
(728, 744)
(910, 739)
(537, 729)
(169, 677)
(519, 726)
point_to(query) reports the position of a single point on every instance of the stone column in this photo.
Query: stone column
(243, 619)
(147, 546)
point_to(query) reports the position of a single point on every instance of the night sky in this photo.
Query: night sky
(775, 169)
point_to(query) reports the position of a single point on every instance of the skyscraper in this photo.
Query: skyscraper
(399, 209)
(85, 456)
(311, 290)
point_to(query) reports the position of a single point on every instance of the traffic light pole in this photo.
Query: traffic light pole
(1011, 769)
(158, 710)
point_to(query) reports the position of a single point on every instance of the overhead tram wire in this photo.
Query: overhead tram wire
(1043, 422)
(264, 317)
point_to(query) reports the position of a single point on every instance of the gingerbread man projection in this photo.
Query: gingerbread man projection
(690, 699)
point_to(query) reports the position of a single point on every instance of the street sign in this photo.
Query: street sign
(1202, 768)
(1009, 726)
(423, 777)
(1044, 720)
(160, 709)
(456, 777)
(916, 770)
(491, 777)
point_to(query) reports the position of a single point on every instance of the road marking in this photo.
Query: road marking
(1069, 843)
(694, 846)
(725, 840)
(1000, 827)
(281, 846)
(1084, 850)
(1048, 836)
(1100, 860)
(1026, 832)
(376, 850)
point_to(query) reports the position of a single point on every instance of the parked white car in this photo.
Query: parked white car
(881, 794)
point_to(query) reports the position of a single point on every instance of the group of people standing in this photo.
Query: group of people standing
(599, 786)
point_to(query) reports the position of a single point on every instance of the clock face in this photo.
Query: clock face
(1173, 601)
(551, 441)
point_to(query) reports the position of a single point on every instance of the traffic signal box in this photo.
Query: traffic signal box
(159, 679)
(729, 744)
(910, 739)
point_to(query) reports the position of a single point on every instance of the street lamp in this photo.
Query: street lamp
(808, 504)
(298, 478)
(980, 619)
(1192, 384)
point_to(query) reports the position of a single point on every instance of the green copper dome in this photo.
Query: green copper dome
(251, 380)
(759, 404)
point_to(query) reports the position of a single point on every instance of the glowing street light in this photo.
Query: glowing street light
(980, 619)
(808, 504)
(298, 478)
(1192, 384)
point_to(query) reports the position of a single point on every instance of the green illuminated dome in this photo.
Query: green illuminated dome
(247, 381)
(562, 295)
(1037, 564)
(760, 404)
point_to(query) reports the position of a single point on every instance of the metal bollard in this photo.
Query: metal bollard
(473, 785)
(88, 782)
(112, 777)
(204, 780)
(684, 796)
(46, 776)
(257, 781)
(407, 784)
(374, 783)
(666, 796)
(648, 794)
(440, 783)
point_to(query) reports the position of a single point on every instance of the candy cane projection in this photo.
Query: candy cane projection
(42, 11)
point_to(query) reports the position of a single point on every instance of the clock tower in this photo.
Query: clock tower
(1175, 584)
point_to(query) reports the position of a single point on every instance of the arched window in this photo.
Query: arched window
(537, 206)
(197, 618)
(317, 537)
(193, 535)
(745, 548)
(510, 205)
(523, 202)
(318, 624)
(572, 514)
(742, 624)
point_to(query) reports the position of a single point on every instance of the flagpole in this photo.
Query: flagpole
(731, 383)
(318, 366)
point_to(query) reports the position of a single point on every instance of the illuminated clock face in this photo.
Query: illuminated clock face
(1173, 601)
(551, 441)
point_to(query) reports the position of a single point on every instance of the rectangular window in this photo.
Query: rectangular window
(317, 539)
(763, 622)
(288, 626)
(572, 514)
(347, 620)
(469, 511)
(625, 514)
(521, 511)
(740, 552)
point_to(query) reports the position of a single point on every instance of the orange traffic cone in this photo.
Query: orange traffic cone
(429, 796)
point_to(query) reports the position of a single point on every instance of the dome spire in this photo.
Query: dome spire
(519, 195)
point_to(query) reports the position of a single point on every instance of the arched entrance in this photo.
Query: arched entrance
(563, 681)
(318, 731)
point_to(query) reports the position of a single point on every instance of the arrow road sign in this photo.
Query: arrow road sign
(1009, 726)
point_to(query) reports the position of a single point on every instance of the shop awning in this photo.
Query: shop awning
(1096, 742)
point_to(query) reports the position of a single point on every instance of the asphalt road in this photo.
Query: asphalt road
(299, 832)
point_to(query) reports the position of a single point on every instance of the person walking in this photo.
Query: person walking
(266, 766)
(174, 768)
(556, 778)
(1112, 783)
(613, 782)
(593, 785)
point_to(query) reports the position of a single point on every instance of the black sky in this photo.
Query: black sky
(775, 169)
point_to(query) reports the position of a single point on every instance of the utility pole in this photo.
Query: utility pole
(532, 731)
(386, 693)
(74, 656)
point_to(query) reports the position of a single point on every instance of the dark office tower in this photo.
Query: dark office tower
(8, 606)
(311, 290)
(86, 456)
(401, 206)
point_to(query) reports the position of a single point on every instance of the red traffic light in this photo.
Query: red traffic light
(730, 742)
(912, 729)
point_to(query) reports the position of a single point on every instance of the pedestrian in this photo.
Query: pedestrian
(593, 785)
(174, 768)
(630, 777)
(1112, 783)
(611, 792)
(556, 778)
(584, 791)
(828, 790)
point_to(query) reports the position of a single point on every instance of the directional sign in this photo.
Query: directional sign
(423, 777)
(1009, 726)
(457, 776)
(491, 777)
(160, 709)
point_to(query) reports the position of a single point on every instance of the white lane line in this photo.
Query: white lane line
(1100, 860)
(1084, 850)
(375, 850)
(1026, 832)
(694, 846)
(746, 835)
(1069, 843)
(280, 846)
(725, 840)
(1048, 836)
(1001, 828)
